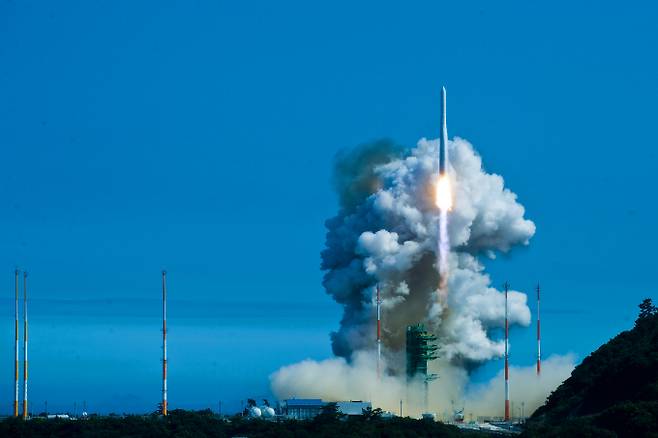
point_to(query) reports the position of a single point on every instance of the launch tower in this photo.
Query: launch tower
(421, 348)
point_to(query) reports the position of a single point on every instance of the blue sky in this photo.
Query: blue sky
(198, 137)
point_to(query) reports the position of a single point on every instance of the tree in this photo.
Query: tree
(371, 414)
(647, 309)
(329, 413)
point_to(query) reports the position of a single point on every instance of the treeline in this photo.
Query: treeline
(183, 424)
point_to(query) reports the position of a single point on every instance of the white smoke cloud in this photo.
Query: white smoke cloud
(528, 391)
(337, 379)
(383, 252)
(386, 233)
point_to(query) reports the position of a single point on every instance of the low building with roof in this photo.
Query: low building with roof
(308, 408)
(302, 408)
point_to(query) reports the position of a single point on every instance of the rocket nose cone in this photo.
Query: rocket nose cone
(443, 105)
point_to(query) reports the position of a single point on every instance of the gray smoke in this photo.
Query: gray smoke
(336, 379)
(386, 233)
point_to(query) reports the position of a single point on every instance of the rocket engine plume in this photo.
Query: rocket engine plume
(443, 193)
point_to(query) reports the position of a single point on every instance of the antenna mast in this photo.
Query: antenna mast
(538, 335)
(379, 333)
(16, 349)
(24, 345)
(507, 414)
(164, 343)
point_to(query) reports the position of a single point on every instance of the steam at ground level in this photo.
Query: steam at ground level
(337, 379)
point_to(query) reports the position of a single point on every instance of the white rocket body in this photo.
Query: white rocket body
(443, 139)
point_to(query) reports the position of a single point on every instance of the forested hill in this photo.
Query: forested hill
(613, 392)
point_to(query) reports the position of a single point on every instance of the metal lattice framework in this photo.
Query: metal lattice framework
(421, 348)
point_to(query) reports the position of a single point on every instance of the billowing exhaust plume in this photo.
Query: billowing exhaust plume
(387, 232)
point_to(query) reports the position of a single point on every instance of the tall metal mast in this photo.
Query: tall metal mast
(24, 345)
(507, 414)
(538, 335)
(164, 343)
(379, 333)
(16, 349)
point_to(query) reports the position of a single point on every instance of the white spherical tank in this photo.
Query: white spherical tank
(255, 411)
(267, 412)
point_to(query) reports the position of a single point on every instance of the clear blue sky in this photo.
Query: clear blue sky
(198, 137)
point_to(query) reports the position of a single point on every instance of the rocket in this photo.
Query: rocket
(443, 190)
(443, 139)
(443, 198)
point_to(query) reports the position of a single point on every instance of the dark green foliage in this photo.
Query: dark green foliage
(647, 309)
(576, 427)
(328, 414)
(613, 392)
(183, 424)
(372, 414)
(631, 419)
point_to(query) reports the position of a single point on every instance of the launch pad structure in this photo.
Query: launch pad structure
(421, 348)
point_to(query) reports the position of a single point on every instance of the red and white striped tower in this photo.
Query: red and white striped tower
(16, 350)
(379, 333)
(164, 342)
(24, 345)
(507, 416)
(538, 335)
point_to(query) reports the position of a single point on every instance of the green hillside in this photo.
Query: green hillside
(613, 392)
